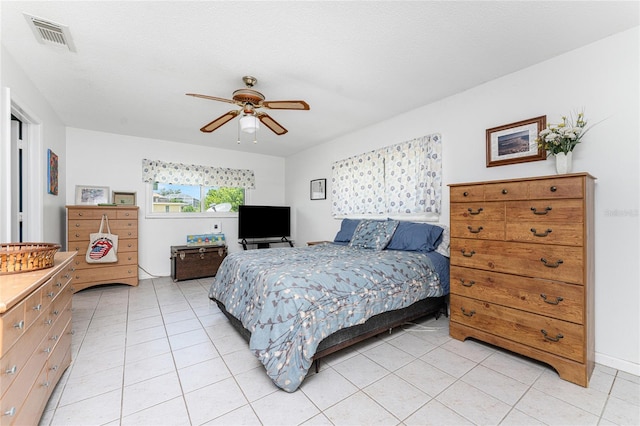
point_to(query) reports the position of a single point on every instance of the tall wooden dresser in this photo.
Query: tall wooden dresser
(123, 221)
(35, 338)
(522, 268)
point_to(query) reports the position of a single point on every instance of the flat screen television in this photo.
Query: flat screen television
(264, 222)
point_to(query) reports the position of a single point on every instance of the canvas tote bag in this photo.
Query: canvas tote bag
(103, 246)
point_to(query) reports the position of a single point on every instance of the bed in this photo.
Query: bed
(297, 305)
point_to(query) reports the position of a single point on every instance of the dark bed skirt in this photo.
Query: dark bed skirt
(373, 326)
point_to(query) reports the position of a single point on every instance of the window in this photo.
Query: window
(188, 190)
(172, 198)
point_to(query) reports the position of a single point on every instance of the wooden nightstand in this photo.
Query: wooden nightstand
(313, 243)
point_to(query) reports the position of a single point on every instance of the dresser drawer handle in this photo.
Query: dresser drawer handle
(477, 212)
(551, 302)
(468, 314)
(475, 231)
(545, 211)
(465, 194)
(10, 412)
(504, 192)
(551, 339)
(467, 284)
(465, 254)
(546, 263)
(553, 189)
(11, 370)
(19, 325)
(37, 307)
(540, 234)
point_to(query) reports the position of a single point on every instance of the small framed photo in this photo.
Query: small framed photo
(319, 189)
(124, 198)
(515, 142)
(92, 195)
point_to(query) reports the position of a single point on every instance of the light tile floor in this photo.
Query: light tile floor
(163, 354)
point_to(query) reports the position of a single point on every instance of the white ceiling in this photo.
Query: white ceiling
(356, 63)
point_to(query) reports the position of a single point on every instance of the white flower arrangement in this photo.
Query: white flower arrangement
(563, 137)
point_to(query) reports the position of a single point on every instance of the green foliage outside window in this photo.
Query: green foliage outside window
(233, 196)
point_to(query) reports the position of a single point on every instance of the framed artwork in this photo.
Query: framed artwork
(92, 195)
(319, 189)
(52, 173)
(124, 198)
(515, 142)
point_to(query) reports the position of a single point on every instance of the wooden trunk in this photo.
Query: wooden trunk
(190, 262)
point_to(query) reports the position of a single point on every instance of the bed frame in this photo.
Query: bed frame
(375, 325)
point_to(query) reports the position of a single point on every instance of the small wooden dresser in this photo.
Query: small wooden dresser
(522, 268)
(123, 221)
(35, 338)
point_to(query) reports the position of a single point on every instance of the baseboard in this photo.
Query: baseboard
(618, 364)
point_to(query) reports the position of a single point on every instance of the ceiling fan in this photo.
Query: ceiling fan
(250, 100)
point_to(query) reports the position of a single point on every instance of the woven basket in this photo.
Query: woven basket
(24, 257)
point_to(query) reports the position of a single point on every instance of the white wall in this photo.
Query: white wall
(603, 79)
(48, 209)
(106, 159)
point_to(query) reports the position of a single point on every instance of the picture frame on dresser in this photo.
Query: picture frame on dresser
(91, 195)
(121, 198)
(515, 142)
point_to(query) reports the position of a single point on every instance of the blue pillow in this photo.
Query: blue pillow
(347, 228)
(373, 234)
(411, 236)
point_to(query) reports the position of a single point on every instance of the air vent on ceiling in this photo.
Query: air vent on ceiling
(48, 32)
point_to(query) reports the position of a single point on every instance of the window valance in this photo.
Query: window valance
(401, 179)
(193, 174)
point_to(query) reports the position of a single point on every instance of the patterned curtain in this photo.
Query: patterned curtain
(192, 174)
(358, 185)
(402, 179)
(413, 176)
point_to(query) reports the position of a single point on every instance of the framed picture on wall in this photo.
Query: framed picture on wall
(124, 198)
(52, 173)
(515, 143)
(92, 195)
(319, 189)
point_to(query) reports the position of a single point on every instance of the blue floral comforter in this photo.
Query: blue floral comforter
(292, 298)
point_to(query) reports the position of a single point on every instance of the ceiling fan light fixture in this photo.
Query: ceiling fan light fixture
(249, 123)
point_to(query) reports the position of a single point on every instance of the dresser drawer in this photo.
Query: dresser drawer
(506, 191)
(548, 334)
(553, 262)
(13, 325)
(81, 229)
(477, 211)
(124, 258)
(112, 273)
(546, 233)
(91, 213)
(465, 193)
(124, 245)
(484, 230)
(545, 297)
(545, 211)
(561, 187)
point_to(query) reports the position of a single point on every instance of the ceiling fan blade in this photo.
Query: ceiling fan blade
(223, 119)
(271, 124)
(213, 98)
(285, 105)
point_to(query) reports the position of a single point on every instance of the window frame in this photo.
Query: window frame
(150, 214)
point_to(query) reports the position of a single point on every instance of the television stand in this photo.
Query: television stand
(264, 244)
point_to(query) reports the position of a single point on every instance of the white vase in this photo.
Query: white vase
(563, 162)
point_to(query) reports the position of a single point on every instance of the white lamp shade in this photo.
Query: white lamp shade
(249, 123)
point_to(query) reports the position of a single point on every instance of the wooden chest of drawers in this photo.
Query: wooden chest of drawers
(35, 338)
(123, 221)
(522, 268)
